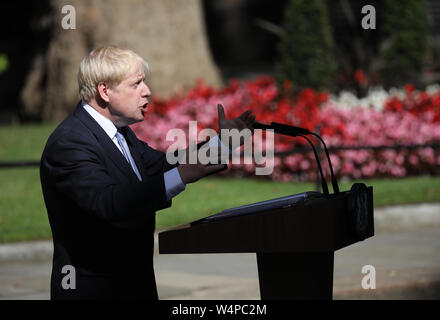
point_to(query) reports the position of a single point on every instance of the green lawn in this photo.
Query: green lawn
(22, 210)
(23, 142)
(23, 214)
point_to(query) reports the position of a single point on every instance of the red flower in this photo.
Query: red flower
(414, 112)
(360, 76)
(394, 105)
(409, 88)
(287, 84)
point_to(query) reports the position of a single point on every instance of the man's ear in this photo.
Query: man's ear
(103, 89)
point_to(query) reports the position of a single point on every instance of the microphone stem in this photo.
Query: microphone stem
(324, 184)
(334, 182)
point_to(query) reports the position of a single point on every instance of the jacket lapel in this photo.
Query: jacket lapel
(107, 144)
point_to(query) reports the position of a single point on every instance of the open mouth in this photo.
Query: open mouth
(144, 107)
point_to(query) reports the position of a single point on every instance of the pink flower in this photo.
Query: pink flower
(414, 160)
(411, 120)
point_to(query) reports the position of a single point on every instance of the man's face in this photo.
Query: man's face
(128, 100)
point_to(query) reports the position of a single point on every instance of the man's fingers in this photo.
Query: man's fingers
(251, 119)
(245, 115)
(221, 112)
(215, 168)
(221, 157)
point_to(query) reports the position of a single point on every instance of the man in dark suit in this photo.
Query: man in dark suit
(102, 186)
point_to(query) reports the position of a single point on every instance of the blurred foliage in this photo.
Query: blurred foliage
(320, 37)
(4, 63)
(405, 27)
(306, 46)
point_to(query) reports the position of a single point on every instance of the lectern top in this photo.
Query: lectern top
(272, 204)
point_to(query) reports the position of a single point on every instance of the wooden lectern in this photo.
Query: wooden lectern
(294, 246)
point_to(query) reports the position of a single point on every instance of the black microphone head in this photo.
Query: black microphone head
(290, 130)
(262, 126)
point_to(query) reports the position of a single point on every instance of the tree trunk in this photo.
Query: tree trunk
(169, 34)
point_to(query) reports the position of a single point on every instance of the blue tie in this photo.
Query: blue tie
(126, 153)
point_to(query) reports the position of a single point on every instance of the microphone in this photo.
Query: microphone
(289, 130)
(294, 132)
(282, 129)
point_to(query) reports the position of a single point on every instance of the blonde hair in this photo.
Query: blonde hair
(110, 65)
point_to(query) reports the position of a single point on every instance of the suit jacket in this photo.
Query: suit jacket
(102, 217)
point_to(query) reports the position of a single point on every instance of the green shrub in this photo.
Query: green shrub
(405, 28)
(306, 46)
(4, 63)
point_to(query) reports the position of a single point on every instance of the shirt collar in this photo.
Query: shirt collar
(105, 123)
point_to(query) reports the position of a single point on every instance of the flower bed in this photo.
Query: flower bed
(395, 118)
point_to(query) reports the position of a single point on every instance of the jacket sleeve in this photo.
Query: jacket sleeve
(73, 167)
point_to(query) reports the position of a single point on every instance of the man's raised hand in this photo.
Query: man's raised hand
(243, 121)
